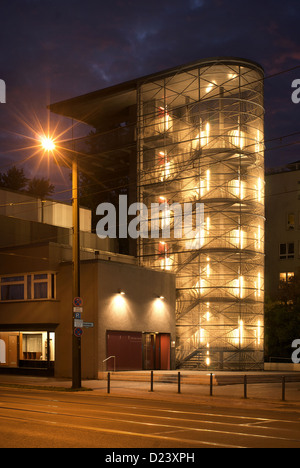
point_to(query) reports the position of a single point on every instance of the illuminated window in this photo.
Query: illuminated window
(211, 86)
(166, 213)
(237, 238)
(27, 349)
(286, 277)
(291, 221)
(237, 138)
(164, 119)
(164, 165)
(165, 262)
(237, 188)
(202, 138)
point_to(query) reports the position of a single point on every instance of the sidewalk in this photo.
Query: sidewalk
(265, 394)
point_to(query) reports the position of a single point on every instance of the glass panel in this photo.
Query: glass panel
(291, 250)
(200, 140)
(282, 249)
(32, 343)
(12, 292)
(41, 291)
(52, 286)
(41, 276)
(291, 221)
(12, 279)
(29, 287)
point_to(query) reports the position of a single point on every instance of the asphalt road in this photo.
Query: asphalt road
(43, 419)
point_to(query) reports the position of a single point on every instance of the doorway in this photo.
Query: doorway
(13, 351)
(156, 351)
(138, 351)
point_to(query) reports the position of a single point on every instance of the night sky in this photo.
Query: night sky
(52, 50)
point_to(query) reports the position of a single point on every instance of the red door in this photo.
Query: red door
(157, 351)
(127, 349)
(165, 351)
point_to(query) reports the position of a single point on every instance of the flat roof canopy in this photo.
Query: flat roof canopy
(107, 108)
(98, 106)
(95, 107)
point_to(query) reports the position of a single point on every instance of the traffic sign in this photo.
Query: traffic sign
(78, 323)
(78, 332)
(88, 324)
(77, 309)
(77, 302)
(77, 315)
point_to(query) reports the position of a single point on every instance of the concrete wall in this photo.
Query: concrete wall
(139, 310)
(16, 232)
(281, 367)
(22, 206)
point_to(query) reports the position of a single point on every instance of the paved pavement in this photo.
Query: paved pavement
(266, 393)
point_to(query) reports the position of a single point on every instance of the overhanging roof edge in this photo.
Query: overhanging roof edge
(65, 107)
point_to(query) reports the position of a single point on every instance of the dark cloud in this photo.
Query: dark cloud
(52, 50)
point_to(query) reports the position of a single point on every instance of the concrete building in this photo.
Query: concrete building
(282, 226)
(128, 311)
(194, 134)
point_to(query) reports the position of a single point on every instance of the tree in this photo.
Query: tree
(14, 179)
(282, 320)
(40, 187)
(282, 327)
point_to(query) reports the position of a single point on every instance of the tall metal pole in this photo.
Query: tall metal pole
(76, 346)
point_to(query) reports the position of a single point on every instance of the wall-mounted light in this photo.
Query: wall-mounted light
(160, 297)
(121, 292)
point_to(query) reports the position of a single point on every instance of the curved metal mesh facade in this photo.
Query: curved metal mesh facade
(200, 140)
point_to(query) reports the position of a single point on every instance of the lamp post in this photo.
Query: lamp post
(76, 347)
(49, 145)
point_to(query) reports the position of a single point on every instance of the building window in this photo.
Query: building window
(40, 286)
(286, 251)
(286, 277)
(13, 288)
(29, 349)
(291, 221)
(28, 287)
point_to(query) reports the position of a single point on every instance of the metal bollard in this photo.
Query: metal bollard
(179, 382)
(283, 388)
(245, 387)
(151, 383)
(108, 382)
(211, 384)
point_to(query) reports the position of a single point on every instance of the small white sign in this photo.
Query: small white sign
(78, 323)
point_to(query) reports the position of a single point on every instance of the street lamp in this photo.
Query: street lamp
(48, 145)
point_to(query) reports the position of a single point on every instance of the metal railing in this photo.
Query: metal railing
(111, 357)
(245, 381)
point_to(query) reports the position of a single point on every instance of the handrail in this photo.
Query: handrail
(277, 357)
(111, 357)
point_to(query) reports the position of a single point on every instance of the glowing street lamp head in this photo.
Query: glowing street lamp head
(48, 144)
